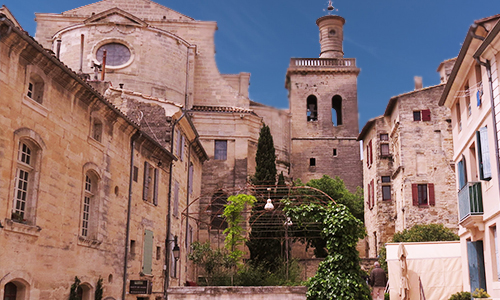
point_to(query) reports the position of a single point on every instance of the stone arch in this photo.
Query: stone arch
(22, 281)
(312, 108)
(337, 110)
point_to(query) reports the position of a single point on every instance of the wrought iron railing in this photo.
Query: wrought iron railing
(470, 200)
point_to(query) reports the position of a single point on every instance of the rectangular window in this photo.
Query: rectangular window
(178, 143)
(86, 206)
(136, 174)
(369, 154)
(423, 194)
(220, 150)
(183, 141)
(386, 179)
(386, 192)
(312, 162)
(483, 154)
(31, 87)
(158, 253)
(150, 185)
(416, 116)
(384, 149)
(334, 152)
(384, 137)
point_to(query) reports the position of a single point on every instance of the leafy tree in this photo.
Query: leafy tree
(339, 275)
(335, 188)
(419, 233)
(265, 159)
(217, 264)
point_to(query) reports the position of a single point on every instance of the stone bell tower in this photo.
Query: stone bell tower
(324, 110)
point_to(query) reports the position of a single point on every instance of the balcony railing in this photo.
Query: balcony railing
(323, 62)
(470, 200)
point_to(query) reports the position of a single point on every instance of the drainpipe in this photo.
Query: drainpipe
(186, 97)
(169, 217)
(136, 135)
(487, 65)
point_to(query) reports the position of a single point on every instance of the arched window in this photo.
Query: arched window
(337, 110)
(35, 88)
(312, 108)
(217, 220)
(23, 210)
(10, 291)
(90, 206)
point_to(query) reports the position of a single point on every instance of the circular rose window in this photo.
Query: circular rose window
(116, 54)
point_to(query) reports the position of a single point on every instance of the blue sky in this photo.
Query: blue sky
(392, 40)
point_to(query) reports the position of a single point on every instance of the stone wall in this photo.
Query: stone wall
(237, 293)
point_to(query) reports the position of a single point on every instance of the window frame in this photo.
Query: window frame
(88, 229)
(418, 190)
(27, 213)
(220, 153)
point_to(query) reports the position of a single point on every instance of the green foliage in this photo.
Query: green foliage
(339, 275)
(73, 292)
(335, 188)
(419, 233)
(251, 275)
(309, 223)
(234, 218)
(480, 293)
(387, 296)
(461, 296)
(265, 159)
(217, 264)
(98, 290)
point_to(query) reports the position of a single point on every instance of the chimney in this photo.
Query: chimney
(418, 83)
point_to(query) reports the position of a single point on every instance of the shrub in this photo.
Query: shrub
(461, 296)
(480, 293)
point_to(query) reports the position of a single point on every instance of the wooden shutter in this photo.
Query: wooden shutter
(176, 199)
(178, 141)
(475, 256)
(414, 193)
(190, 178)
(432, 199)
(461, 174)
(147, 263)
(156, 186)
(145, 188)
(483, 153)
(426, 115)
(373, 193)
(183, 141)
(370, 153)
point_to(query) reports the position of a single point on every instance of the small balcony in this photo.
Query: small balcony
(470, 202)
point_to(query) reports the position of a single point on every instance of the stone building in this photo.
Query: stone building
(324, 110)
(184, 109)
(85, 191)
(472, 95)
(408, 178)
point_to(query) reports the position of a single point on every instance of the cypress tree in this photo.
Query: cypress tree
(265, 159)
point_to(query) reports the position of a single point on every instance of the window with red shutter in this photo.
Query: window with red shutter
(426, 115)
(432, 199)
(414, 193)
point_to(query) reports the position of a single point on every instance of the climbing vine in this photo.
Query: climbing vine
(233, 212)
(339, 275)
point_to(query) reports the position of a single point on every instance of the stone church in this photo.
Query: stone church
(154, 70)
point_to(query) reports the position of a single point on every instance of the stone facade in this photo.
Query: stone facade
(86, 191)
(237, 293)
(408, 178)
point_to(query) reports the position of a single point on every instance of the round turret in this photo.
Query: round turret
(331, 36)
